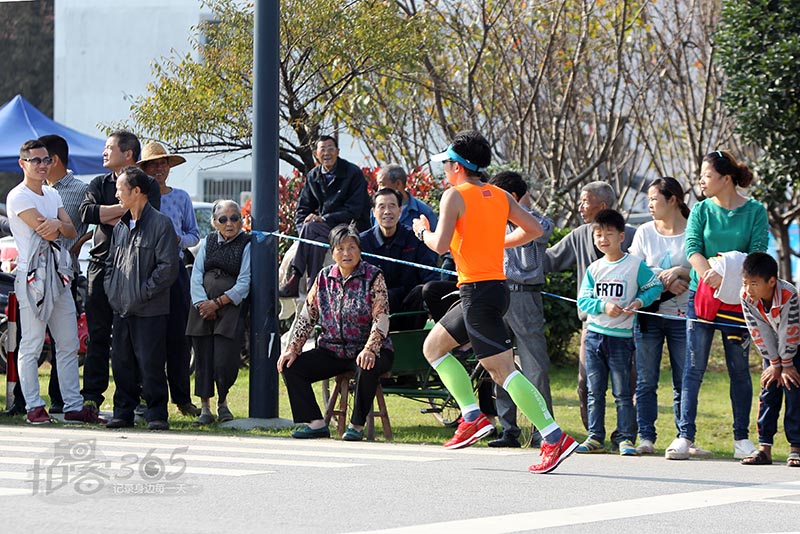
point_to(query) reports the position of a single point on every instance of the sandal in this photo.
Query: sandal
(759, 458)
(793, 460)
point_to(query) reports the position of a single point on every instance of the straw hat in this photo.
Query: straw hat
(154, 150)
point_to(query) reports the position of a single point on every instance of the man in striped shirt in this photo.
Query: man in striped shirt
(72, 192)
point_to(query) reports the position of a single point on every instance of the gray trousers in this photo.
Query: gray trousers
(525, 317)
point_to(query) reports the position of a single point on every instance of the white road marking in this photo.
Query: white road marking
(14, 475)
(260, 441)
(580, 515)
(223, 471)
(782, 501)
(13, 492)
(207, 458)
(147, 444)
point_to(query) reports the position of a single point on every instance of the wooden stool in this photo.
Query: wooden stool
(341, 392)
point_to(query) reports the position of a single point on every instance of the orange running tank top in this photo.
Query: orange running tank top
(479, 238)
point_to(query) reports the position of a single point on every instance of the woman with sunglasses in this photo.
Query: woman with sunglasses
(220, 286)
(725, 221)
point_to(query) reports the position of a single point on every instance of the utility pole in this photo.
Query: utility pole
(264, 333)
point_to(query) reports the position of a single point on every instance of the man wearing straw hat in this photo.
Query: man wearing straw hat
(177, 205)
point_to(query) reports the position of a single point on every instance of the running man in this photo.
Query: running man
(472, 226)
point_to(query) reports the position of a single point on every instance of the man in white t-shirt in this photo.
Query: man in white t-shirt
(36, 212)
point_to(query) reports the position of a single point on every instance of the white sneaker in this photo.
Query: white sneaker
(678, 449)
(646, 447)
(742, 448)
(697, 452)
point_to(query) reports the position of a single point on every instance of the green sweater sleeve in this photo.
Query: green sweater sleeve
(760, 229)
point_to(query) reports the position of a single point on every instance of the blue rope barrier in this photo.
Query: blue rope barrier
(262, 236)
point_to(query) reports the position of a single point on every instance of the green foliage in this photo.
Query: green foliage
(759, 43)
(561, 316)
(202, 102)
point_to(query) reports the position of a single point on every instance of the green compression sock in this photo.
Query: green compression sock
(456, 380)
(530, 402)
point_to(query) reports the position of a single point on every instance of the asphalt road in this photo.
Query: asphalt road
(66, 479)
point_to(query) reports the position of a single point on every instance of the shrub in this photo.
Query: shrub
(561, 316)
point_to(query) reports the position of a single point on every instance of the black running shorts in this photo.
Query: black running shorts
(478, 318)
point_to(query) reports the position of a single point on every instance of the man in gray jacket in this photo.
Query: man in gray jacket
(141, 266)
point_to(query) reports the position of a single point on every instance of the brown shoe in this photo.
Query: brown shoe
(38, 416)
(189, 409)
(158, 425)
(84, 415)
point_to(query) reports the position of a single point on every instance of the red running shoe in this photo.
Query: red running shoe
(469, 432)
(552, 455)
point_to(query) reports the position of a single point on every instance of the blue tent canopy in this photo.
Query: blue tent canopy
(20, 121)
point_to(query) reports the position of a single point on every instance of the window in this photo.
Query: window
(232, 188)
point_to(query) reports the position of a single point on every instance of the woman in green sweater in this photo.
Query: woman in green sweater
(725, 221)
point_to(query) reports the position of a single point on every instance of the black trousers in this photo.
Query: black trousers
(309, 258)
(412, 302)
(439, 296)
(99, 319)
(318, 364)
(217, 361)
(138, 364)
(178, 353)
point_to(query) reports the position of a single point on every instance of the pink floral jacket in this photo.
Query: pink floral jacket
(353, 312)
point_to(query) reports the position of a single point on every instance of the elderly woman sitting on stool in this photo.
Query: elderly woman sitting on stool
(220, 286)
(350, 302)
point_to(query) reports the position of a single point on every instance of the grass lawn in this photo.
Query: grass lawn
(714, 421)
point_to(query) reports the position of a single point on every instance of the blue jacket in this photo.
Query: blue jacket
(400, 279)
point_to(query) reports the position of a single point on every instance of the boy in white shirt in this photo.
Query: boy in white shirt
(613, 287)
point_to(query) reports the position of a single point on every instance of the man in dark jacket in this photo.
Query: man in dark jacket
(141, 267)
(100, 207)
(335, 192)
(391, 239)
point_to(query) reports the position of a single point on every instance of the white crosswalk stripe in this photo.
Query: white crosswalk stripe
(29, 453)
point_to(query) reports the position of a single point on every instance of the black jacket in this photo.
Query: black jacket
(400, 279)
(142, 265)
(345, 200)
(102, 192)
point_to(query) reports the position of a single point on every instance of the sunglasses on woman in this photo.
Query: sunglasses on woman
(233, 218)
